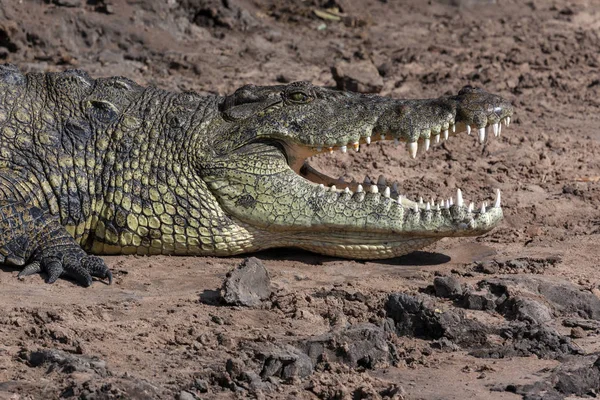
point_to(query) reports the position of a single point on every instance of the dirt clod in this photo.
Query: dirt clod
(247, 285)
(362, 345)
(358, 76)
(447, 286)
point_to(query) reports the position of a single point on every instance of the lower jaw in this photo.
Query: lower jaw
(362, 251)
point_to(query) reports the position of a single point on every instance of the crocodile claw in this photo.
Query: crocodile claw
(81, 269)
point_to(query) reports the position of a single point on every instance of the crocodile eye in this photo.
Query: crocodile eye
(299, 97)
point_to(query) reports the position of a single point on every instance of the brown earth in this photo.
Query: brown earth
(523, 307)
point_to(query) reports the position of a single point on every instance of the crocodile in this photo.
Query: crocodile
(92, 167)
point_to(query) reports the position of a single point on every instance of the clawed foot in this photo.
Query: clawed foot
(40, 243)
(56, 264)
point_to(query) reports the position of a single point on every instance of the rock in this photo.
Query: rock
(586, 324)
(578, 333)
(526, 309)
(247, 285)
(467, 3)
(574, 378)
(235, 367)
(447, 286)
(66, 362)
(283, 361)
(363, 345)
(525, 339)
(489, 267)
(68, 3)
(219, 14)
(360, 76)
(417, 316)
(480, 300)
(563, 296)
(185, 395)
(201, 385)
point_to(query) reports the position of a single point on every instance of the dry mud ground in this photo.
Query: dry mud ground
(513, 314)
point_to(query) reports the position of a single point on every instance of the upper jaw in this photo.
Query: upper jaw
(416, 123)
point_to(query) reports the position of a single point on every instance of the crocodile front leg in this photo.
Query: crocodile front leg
(36, 240)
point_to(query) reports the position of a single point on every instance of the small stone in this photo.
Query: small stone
(185, 395)
(447, 286)
(479, 301)
(234, 367)
(68, 3)
(247, 285)
(525, 309)
(283, 361)
(201, 385)
(489, 267)
(578, 333)
(361, 76)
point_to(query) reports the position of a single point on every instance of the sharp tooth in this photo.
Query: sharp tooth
(446, 133)
(333, 188)
(346, 190)
(481, 135)
(330, 150)
(453, 128)
(471, 207)
(381, 181)
(468, 129)
(428, 207)
(432, 201)
(451, 201)
(495, 129)
(359, 189)
(344, 149)
(427, 143)
(396, 142)
(447, 204)
(483, 208)
(485, 204)
(497, 202)
(459, 198)
(356, 146)
(507, 121)
(416, 207)
(368, 139)
(374, 189)
(437, 138)
(437, 207)
(321, 186)
(319, 149)
(420, 200)
(399, 199)
(386, 192)
(499, 129)
(412, 149)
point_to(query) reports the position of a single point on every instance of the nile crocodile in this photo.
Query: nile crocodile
(105, 166)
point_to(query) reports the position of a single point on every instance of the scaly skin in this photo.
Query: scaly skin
(108, 167)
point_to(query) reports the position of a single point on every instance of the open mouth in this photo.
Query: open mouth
(298, 155)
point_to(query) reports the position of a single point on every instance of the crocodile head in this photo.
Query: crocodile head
(257, 170)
